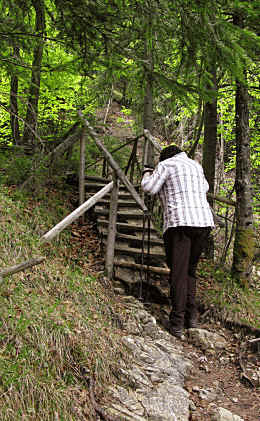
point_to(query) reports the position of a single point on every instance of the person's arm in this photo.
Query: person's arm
(153, 181)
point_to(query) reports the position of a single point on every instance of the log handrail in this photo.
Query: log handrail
(76, 213)
(114, 165)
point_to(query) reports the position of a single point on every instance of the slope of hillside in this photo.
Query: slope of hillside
(56, 319)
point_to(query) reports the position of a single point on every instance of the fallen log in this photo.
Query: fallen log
(76, 213)
(21, 266)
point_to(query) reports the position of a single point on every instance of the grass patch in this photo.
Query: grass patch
(226, 299)
(56, 320)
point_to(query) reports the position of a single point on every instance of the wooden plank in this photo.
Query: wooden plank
(110, 249)
(21, 266)
(76, 213)
(114, 165)
(130, 265)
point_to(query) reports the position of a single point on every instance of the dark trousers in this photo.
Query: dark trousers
(183, 247)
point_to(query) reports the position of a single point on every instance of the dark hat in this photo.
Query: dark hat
(169, 152)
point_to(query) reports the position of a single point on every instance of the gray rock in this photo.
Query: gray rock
(119, 291)
(206, 339)
(208, 394)
(222, 414)
(123, 413)
(167, 402)
(136, 378)
(155, 378)
(125, 400)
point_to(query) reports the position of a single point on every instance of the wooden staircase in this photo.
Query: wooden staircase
(128, 268)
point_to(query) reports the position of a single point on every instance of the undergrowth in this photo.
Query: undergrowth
(56, 319)
(226, 299)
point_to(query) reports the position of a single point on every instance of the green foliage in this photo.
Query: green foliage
(16, 168)
(228, 300)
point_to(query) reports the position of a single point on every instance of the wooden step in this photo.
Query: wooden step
(134, 214)
(136, 250)
(154, 241)
(126, 228)
(121, 203)
(135, 266)
(98, 185)
(123, 196)
(131, 251)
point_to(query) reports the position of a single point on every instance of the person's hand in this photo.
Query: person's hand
(147, 168)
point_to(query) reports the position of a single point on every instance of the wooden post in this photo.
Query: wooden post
(76, 213)
(82, 164)
(110, 249)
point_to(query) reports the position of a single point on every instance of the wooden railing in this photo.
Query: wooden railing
(149, 206)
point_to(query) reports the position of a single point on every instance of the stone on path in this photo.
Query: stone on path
(206, 340)
(222, 414)
(152, 385)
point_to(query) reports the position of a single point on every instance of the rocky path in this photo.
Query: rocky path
(169, 380)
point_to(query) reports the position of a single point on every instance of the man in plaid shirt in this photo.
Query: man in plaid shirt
(182, 187)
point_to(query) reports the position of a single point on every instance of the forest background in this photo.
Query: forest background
(188, 71)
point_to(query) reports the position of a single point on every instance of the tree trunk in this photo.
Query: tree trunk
(82, 164)
(197, 130)
(209, 146)
(243, 252)
(244, 243)
(33, 98)
(14, 105)
(148, 100)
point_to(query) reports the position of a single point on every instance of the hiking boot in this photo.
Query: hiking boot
(192, 323)
(178, 333)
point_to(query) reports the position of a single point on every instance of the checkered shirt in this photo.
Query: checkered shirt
(182, 187)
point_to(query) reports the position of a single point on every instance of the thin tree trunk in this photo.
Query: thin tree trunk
(14, 104)
(220, 161)
(148, 97)
(210, 138)
(244, 244)
(209, 146)
(34, 92)
(82, 165)
(197, 133)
